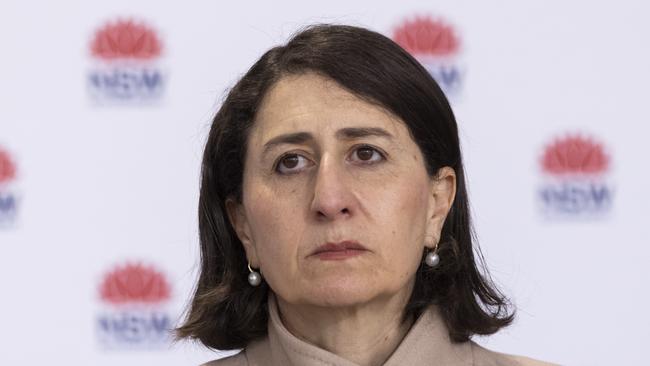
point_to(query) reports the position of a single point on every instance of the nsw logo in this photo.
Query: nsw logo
(436, 45)
(134, 314)
(8, 192)
(125, 57)
(575, 173)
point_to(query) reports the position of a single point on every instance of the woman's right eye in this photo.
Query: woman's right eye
(291, 164)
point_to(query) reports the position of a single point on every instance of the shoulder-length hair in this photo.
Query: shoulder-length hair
(225, 311)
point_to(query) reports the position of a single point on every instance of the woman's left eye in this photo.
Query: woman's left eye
(367, 155)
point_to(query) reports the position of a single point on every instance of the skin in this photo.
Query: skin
(329, 186)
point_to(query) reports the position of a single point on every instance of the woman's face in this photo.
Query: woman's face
(324, 166)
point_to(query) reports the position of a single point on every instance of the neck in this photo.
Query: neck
(365, 334)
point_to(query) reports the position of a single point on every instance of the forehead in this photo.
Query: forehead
(313, 103)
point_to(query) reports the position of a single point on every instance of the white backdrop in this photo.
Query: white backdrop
(98, 194)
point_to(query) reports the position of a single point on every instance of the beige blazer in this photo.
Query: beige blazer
(426, 343)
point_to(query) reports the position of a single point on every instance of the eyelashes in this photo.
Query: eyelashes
(286, 165)
(293, 163)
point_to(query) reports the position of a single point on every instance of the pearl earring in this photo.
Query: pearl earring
(432, 259)
(254, 277)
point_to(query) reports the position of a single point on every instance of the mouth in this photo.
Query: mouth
(337, 251)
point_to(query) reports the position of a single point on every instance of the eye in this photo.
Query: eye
(367, 155)
(291, 164)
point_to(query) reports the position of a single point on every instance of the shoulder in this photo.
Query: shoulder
(486, 357)
(234, 360)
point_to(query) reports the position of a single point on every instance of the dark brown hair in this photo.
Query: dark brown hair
(226, 312)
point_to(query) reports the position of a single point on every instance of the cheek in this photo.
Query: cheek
(275, 231)
(402, 202)
(402, 222)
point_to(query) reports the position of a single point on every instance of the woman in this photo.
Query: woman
(334, 221)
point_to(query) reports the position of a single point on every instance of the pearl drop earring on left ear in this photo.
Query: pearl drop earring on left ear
(432, 259)
(254, 277)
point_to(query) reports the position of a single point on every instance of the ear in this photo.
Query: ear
(239, 222)
(441, 198)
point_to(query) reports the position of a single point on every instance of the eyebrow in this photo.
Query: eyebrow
(348, 133)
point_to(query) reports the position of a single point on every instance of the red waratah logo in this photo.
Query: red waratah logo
(574, 155)
(126, 39)
(134, 283)
(426, 36)
(7, 167)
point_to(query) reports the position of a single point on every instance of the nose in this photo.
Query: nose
(332, 198)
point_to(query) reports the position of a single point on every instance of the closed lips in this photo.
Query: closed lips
(339, 247)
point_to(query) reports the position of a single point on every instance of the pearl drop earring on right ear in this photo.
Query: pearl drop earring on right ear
(254, 277)
(432, 259)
